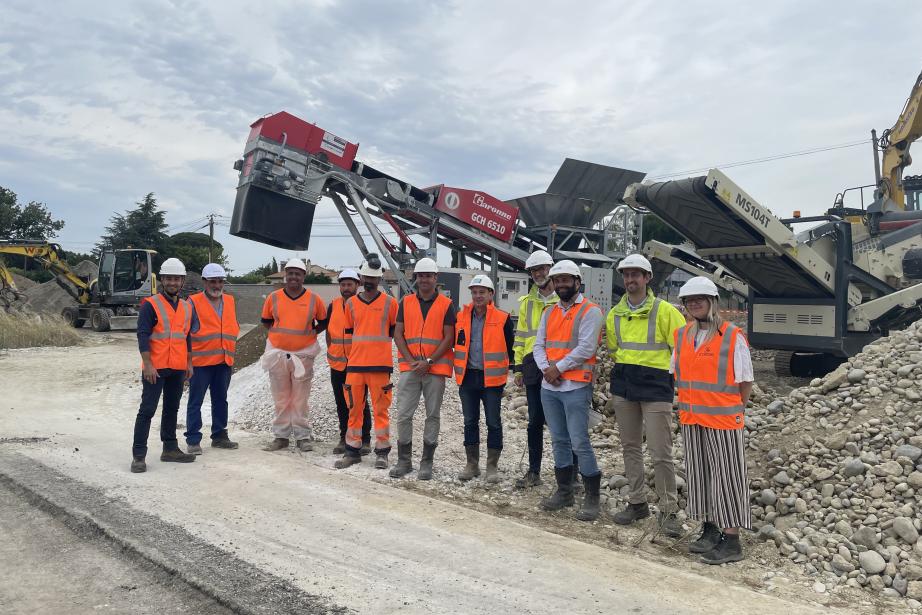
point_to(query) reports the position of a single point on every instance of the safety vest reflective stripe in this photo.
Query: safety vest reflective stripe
(371, 340)
(424, 335)
(216, 352)
(216, 340)
(651, 343)
(710, 403)
(338, 347)
(167, 343)
(527, 326)
(495, 356)
(559, 341)
(308, 330)
(293, 319)
(715, 410)
(212, 336)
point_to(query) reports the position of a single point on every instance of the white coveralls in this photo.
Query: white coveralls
(290, 376)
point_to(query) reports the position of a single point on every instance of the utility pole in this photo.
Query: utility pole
(210, 238)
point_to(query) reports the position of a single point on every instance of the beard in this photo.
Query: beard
(566, 294)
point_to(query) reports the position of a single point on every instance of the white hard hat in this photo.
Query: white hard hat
(371, 267)
(426, 265)
(213, 270)
(635, 261)
(296, 263)
(481, 280)
(566, 267)
(538, 258)
(698, 286)
(172, 266)
(349, 274)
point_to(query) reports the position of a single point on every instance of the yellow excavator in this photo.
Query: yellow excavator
(890, 195)
(108, 301)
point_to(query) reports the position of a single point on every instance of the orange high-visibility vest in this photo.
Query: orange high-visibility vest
(495, 355)
(705, 380)
(293, 319)
(216, 340)
(371, 325)
(340, 341)
(423, 337)
(561, 336)
(168, 337)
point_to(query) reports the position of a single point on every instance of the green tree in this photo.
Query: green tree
(32, 221)
(142, 227)
(655, 228)
(317, 278)
(192, 250)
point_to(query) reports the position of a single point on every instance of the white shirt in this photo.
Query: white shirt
(742, 358)
(588, 335)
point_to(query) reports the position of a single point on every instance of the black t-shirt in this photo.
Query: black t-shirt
(450, 316)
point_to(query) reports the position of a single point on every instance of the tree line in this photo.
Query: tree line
(143, 226)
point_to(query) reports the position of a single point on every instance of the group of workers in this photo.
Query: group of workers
(551, 348)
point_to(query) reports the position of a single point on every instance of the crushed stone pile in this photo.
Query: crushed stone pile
(836, 470)
(23, 283)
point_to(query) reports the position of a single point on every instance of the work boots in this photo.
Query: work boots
(350, 458)
(472, 469)
(563, 497)
(727, 550)
(276, 445)
(304, 445)
(492, 465)
(708, 540)
(589, 511)
(366, 448)
(194, 449)
(404, 460)
(340, 448)
(531, 479)
(381, 459)
(176, 455)
(224, 442)
(670, 525)
(138, 465)
(633, 512)
(425, 462)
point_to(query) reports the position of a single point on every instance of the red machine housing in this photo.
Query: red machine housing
(304, 136)
(478, 209)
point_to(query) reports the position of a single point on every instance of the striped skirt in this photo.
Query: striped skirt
(716, 482)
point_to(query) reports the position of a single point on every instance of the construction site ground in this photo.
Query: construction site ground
(252, 531)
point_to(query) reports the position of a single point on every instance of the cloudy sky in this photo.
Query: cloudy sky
(104, 102)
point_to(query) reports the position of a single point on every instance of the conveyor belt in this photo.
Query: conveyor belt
(693, 209)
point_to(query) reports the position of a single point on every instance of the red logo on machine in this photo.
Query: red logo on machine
(479, 209)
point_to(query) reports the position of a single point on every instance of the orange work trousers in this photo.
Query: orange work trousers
(380, 391)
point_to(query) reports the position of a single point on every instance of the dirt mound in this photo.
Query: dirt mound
(250, 347)
(23, 283)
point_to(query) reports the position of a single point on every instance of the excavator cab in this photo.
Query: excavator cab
(125, 277)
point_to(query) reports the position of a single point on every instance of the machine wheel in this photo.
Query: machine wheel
(99, 319)
(72, 317)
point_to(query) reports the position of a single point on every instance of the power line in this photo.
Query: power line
(741, 163)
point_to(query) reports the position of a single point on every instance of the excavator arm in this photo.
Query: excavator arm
(895, 144)
(48, 255)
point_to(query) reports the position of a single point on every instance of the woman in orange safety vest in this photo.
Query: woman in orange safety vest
(713, 374)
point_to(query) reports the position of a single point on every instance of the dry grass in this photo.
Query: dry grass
(21, 330)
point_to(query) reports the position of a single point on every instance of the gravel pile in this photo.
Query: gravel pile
(836, 470)
(50, 298)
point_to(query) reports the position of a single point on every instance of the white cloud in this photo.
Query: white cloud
(104, 106)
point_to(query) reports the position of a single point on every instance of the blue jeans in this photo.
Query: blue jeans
(215, 378)
(472, 393)
(567, 416)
